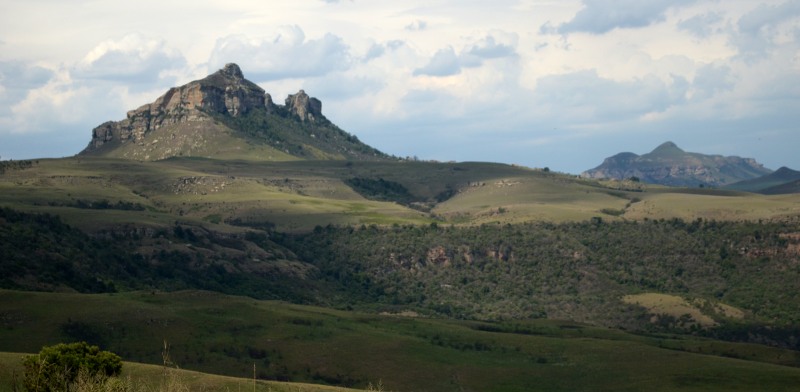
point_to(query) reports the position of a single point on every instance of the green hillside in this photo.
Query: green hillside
(781, 181)
(227, 335)
(103, 194)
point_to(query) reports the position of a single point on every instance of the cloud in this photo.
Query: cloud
(377, 50)
(16, 75)
(711, 79)
(417, 25)
(134, 59)
(288, 54)
(602, 16)
(766, 15)
(701, 26)
(444, 63)
(490, 47)
(763, 28)
(583, 97)
(495, 45)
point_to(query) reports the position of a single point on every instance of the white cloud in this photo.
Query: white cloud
(133, 59)
(287, 54)
(438, 80)
(445, 62)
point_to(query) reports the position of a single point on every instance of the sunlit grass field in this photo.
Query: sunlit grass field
(299, 195)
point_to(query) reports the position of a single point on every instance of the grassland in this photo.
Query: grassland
(457, 239)
(299, 195)
(228, 335)
(147, 377)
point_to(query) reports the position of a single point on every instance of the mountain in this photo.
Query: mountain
(781, 181)
(226, 116)
(670, 165)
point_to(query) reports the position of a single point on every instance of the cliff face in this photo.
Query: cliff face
(225, 92)
(669, 165)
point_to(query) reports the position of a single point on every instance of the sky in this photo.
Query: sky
(538, 83)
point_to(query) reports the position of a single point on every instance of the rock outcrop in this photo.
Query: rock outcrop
(669, 165)
(304, 107)
(225, 92)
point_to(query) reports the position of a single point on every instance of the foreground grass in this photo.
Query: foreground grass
(153, 378)
(227, 335)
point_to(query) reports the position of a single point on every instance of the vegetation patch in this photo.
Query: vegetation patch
(380, 189)
(671, 309)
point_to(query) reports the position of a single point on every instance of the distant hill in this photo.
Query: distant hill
(670, 165)
(226, 116)
(781, 181)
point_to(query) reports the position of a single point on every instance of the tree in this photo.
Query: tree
(55, 367)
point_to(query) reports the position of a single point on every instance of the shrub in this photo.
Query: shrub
(56, 367)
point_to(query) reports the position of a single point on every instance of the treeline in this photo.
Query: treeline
(575, 271)
(40, 252)
(100, 205)
(15, 165)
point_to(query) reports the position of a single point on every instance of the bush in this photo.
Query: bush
(56, 367)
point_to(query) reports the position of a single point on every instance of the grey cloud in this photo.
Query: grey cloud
(711, 79)
(289, 55)
(584, 94)
(132, 60)
(444, 63)
(602, 16)
(489, 48)
(754, 37)
(374, 52)
(378, 50)
(19, 75)
(766, 15)
(340, 87)
(417, 25)
(701, 26)
(17, 79)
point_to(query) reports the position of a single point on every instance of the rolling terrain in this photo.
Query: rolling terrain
(193, 217)
(781, 181)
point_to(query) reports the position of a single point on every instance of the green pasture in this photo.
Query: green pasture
(227, 335)
(299, 195)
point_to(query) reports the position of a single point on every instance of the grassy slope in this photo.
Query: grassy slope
(226, 335)
(153, 376)
(299, 195)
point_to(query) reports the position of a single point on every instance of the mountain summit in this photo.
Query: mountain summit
(225, 115)
(668, 164)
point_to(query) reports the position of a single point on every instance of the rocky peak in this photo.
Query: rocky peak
(667, 149)
(305, 107)
(223, 93)
(667, 164)
(232, 71)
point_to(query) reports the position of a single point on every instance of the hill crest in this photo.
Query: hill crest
(225, 115)
(781, 181)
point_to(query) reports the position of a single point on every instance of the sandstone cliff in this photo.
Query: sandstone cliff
(226, 116)
(669, 165)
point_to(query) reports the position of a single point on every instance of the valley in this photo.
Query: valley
(249, 234)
